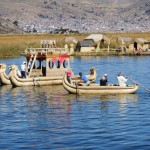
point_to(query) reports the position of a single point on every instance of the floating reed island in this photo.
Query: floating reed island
(111, 54)
(106, 44)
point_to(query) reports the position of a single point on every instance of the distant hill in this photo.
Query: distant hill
(85, 15)
(7, 27)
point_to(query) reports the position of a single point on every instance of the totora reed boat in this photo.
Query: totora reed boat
(46, 66)
(4, 78)
(97, 89)
(40, 80)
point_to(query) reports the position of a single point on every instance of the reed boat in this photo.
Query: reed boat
(4, 78)
(97, 89)
(40, 80)
(33, 81)
(46, 66)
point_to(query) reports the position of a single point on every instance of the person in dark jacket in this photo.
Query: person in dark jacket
(103, 80)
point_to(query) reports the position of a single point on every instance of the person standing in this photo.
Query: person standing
(103, 80)
(122, 80)
(84, 79)
(23, 69)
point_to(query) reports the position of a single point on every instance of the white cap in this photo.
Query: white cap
(9, 67)
(105, 74)
(24, 62)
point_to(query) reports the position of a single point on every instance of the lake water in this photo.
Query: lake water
(49, 118)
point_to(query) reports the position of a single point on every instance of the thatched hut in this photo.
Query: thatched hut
(70, 40)
(87, 45)
(125, 43)
(94, 42)
(140, 44)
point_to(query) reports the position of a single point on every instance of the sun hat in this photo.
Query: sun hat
(105, 74)
(119, 74)
(68, 73)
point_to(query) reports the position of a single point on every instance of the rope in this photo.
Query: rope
(35, 80)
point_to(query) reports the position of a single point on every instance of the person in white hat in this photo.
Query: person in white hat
(103, 80)
(121, 79)
(23, 69)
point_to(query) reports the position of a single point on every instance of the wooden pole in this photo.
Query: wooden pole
(139, 84)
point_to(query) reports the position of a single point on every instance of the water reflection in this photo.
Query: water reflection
(124, 102)
(54, 118)
(57, 92)
(50, 97)
(120, 102)
(121, 98)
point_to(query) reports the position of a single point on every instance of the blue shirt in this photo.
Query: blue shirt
(84, 78)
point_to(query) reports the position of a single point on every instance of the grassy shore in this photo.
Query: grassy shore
(10, 45)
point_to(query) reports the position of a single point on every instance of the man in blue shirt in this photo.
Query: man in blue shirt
(84, 79)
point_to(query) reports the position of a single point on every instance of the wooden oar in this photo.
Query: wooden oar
(76, 89)
(139, 84)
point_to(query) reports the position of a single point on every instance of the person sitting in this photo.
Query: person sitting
(103, 80)
(122, 80)
(69, 74)
(92, 71)
(84, 79)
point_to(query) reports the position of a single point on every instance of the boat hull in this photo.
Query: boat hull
(97, 89)
(38, 81)
(4, 78)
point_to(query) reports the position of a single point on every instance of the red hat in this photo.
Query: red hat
(68, 73)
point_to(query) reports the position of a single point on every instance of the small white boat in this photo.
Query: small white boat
(97, 89)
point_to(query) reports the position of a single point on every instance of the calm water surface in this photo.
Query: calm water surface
(49, 118)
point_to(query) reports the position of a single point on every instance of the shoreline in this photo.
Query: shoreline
(111, 54)
(96, 54)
